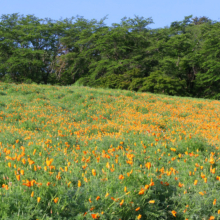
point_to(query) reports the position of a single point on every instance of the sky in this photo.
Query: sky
(163, 12)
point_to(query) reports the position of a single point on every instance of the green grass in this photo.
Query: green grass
(117, 134)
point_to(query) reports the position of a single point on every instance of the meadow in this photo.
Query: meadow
(69, 152)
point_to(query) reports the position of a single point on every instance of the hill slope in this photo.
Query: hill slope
(83, 153)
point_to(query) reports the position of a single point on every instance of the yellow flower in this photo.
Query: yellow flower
(93, 172)
(139, 216)
(79, 183)
(32, 194)
(152, 201)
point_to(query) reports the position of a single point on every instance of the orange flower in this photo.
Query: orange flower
(56, 200)
(95, 216)
(211, 218)
(202, 175)
(121, 203)
(107, 194)
(5, 186)
(125, 189)
(93, 172)
(121, 177)
(79, 183)
(141, 192)
(214, 202)
(146, 186)
(30, 161)
(107, 165)
(38, 199)
(180, 184)
(151, 183)
(34, 151)
(18, 177)
(137, 209)
(212, 170)
(98, 197)
(201, 193)
(92, 208)
(174, 213)
(139, 216)
(148, 165)
(195, 182)
(48, 162)
(212, 161)
(32, 194)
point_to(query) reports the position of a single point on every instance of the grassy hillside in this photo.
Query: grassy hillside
(82, 153)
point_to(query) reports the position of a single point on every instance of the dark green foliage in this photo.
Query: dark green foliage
(159, 82)
(182, 59)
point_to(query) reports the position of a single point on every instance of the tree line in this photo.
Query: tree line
(182, 59)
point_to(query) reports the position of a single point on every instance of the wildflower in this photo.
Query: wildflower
(148, 165)
(93, 172)
(202, 175)
(214, 202)
(79, 183)
(139, 216)
(195, 182)
(121, 203)
(56, 200)
(152, 201)
(151, 183)
(141, 192)
(180, 184)
(32, 194)
(137, 209)
(174, 213)
(92, 208)
(38, 199)
(211, 161)
(95, 216)
(146, 186)
(121, 177)
(98, 197)
(5, 187)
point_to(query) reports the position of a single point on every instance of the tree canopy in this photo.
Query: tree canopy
(182, 59)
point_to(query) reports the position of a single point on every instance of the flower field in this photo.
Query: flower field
(82, 153)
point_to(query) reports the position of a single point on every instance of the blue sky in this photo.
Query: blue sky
(163, 12)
